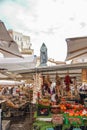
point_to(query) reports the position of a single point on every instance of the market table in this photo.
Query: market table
(66, 115)
(46, 123)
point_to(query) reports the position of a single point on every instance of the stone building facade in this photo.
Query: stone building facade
(23, 42)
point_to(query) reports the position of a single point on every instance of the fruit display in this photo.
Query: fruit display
(44, 102)
(42, 111)
(75, 120)
(55, 109)
(57, 119)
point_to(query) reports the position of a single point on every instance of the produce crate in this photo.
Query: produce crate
(55, 110)
(43, 110)
(76, 121)
(57, 119)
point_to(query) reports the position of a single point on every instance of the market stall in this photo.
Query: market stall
(63, 112)
(16, 98)
(63, 116)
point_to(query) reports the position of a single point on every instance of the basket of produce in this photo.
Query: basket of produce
(43, 107)
(55, 109)
(57, 119)
(44, 102)
(42, 111)
(75, 121)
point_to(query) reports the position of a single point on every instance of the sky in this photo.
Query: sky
(46, 21)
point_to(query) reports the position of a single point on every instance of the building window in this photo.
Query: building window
(18, 38)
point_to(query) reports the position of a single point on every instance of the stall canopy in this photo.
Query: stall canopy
(11, 66)
(8, 47)
(10, 82)
(76, 48)
(15, 64)
(13, 60)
